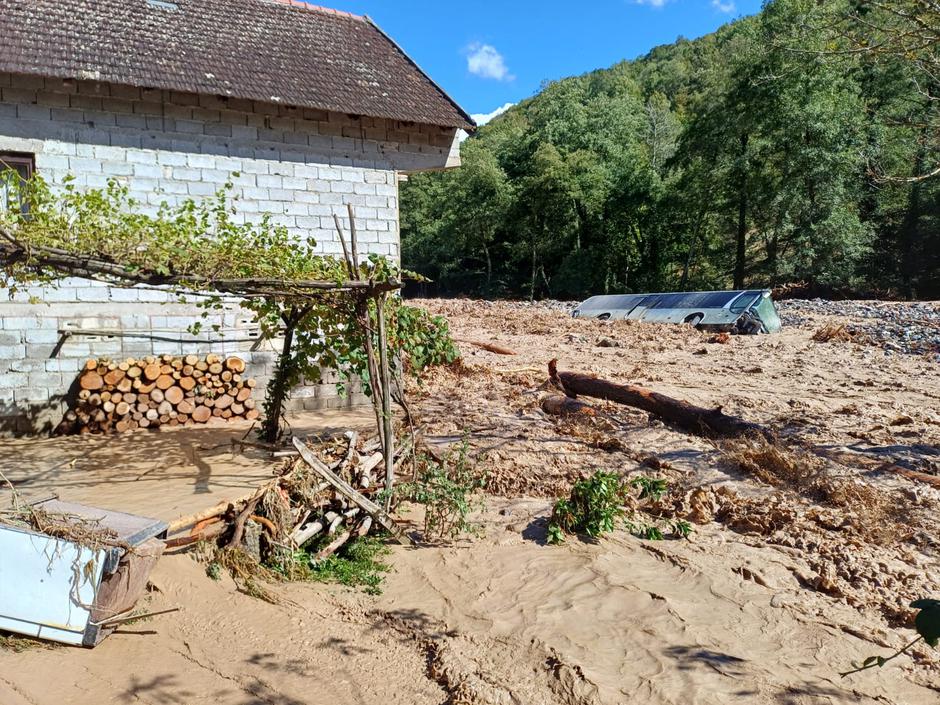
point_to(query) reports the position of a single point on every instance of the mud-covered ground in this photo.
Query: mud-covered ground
(825, 523)
(803, 556)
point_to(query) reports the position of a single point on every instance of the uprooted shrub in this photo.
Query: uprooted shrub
(596, 504)
(448, 489)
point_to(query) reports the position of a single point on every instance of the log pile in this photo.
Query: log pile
(159, 391)
(321, 497)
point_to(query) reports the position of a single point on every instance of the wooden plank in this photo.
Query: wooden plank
(346, 489)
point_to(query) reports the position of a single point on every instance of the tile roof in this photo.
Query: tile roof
(279, 51)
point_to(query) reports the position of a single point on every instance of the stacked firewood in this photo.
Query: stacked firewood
(158, 391)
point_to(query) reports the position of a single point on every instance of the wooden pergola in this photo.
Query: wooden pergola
(359, 289)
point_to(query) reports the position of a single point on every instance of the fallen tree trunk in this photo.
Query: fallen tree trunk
(691, 418)
(558, 405)
(490, 347)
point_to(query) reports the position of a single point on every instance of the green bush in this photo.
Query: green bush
(356, 564)
(424, 339)
(599, 502)
(593, 507)
(448, 490)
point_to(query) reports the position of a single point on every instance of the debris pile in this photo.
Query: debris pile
(319, 500)
(155, 391)
(912, 328)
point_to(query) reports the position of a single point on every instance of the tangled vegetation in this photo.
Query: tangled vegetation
(598, 503)
(448, 490)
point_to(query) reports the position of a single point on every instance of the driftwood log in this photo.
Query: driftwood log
(913, 475)
(490, 347)
(691, 418)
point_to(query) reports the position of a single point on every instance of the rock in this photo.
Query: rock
(605, 342)
(911, 328)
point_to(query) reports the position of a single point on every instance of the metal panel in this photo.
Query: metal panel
(47, 585)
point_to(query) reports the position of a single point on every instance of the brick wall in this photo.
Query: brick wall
(297, 164)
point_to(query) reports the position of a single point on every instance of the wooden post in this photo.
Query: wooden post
(388, 432)
(352, 237)
(342, 241)
(373, 367)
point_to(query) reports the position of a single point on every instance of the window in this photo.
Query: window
(23, 166)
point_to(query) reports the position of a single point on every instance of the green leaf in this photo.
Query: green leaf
(927, 621)
(924, 603)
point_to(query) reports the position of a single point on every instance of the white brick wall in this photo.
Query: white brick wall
(299, 165)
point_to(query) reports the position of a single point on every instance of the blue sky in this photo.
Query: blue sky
(491, 52)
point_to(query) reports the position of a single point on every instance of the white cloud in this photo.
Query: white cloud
(651, 3)
(484, 61)
(725, 6)
(483, 118)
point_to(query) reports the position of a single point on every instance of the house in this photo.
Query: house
(303, 108)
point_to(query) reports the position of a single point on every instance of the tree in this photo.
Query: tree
(792, 145)
(479, 200)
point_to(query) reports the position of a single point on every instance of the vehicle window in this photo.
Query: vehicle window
(744, 301)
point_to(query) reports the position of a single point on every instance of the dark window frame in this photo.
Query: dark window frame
(24, 164)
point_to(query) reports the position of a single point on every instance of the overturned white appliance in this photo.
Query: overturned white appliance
(75, 591)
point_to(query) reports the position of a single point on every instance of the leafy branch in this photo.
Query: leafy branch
(927, 624)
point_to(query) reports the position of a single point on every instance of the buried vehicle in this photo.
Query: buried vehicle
(749, 311)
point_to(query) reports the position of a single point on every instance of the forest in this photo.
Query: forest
(799, 145)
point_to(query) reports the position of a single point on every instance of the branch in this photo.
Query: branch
(880, 661)
(910, 179)
(12, 251)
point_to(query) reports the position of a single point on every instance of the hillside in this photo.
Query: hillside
(761, 154)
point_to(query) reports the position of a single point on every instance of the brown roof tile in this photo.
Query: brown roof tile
(280, 51)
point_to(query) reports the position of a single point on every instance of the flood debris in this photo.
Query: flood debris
(320, 500)
(691, 418)
(747, 312)
(489, 347)
(73, 573)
